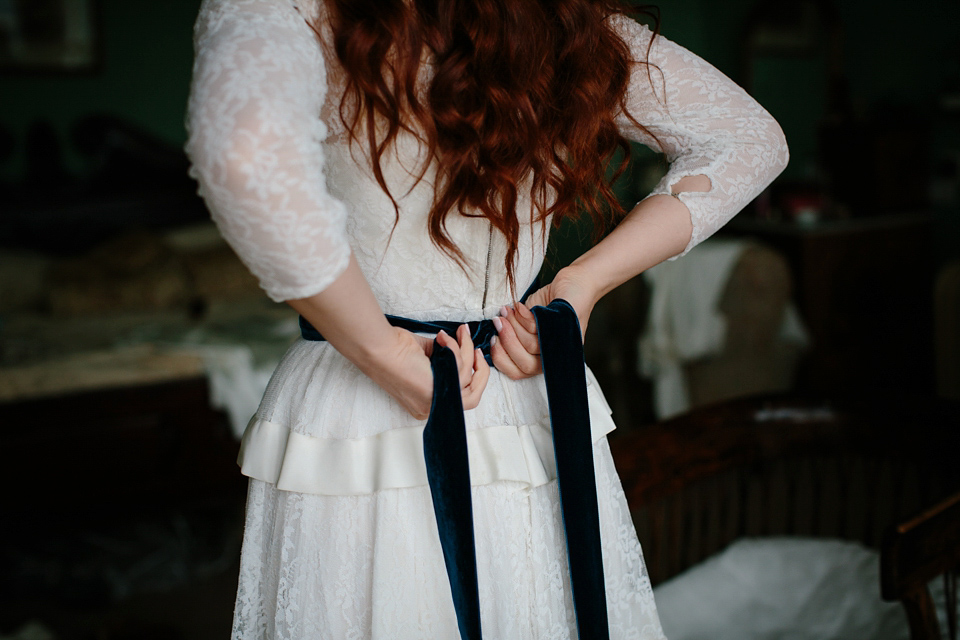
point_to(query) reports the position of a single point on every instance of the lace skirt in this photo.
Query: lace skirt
(367, 564)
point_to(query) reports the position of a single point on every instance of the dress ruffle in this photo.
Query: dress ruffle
(336, 464)
(317, 392)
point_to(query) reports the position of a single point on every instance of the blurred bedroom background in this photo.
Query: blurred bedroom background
(785, 394)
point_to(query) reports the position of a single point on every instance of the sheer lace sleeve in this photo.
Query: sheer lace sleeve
(255, 131)
(705, 125)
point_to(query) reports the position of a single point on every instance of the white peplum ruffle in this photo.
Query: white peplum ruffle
(323, 452)
(394, 459)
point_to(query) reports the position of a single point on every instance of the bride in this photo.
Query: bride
(408, 157)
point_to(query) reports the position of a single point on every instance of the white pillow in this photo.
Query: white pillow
(781, 589)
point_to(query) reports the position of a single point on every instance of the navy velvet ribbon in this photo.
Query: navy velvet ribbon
(561, 354)
(448, 471)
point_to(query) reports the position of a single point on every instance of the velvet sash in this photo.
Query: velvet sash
(448, 473)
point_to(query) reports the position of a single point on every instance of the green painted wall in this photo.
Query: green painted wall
(144, 78)
(894, 54)
(891, 54)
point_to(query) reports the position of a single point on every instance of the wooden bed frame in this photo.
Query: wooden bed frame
(780, 465)
(81, 456)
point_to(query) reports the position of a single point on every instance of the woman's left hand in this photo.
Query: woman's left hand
(516, 351)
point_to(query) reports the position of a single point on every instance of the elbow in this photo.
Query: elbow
(200, 167)
(220, 157)
(204, 150)
(779, 151)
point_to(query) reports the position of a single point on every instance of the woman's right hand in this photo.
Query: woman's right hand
(406, 374)
(516, 352)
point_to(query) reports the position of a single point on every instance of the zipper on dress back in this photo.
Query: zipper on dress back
(486, 274)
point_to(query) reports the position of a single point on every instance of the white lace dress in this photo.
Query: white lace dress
(340, 538)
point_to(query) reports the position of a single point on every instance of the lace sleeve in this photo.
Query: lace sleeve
(705, 125)
(254, 142)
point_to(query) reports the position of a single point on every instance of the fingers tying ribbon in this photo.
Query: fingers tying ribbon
(447, 460)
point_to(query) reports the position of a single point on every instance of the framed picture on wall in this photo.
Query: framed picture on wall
(48, 35)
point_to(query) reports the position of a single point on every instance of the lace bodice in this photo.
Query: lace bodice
(293, 199)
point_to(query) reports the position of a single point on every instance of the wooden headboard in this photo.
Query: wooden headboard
(779, 465)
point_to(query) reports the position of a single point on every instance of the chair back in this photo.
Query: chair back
(915, 552)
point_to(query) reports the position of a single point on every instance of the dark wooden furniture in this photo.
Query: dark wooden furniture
(96, 487)
(947, 330)
(915, 552)
(864, 287)
(122, 449)
(781, 465)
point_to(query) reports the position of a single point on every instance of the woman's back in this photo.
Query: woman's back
(341, 540)
(330, 198)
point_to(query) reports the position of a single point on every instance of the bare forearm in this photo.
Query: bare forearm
(657, 228)
(349, 317)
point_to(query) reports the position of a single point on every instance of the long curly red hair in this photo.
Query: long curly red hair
(522, 90)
